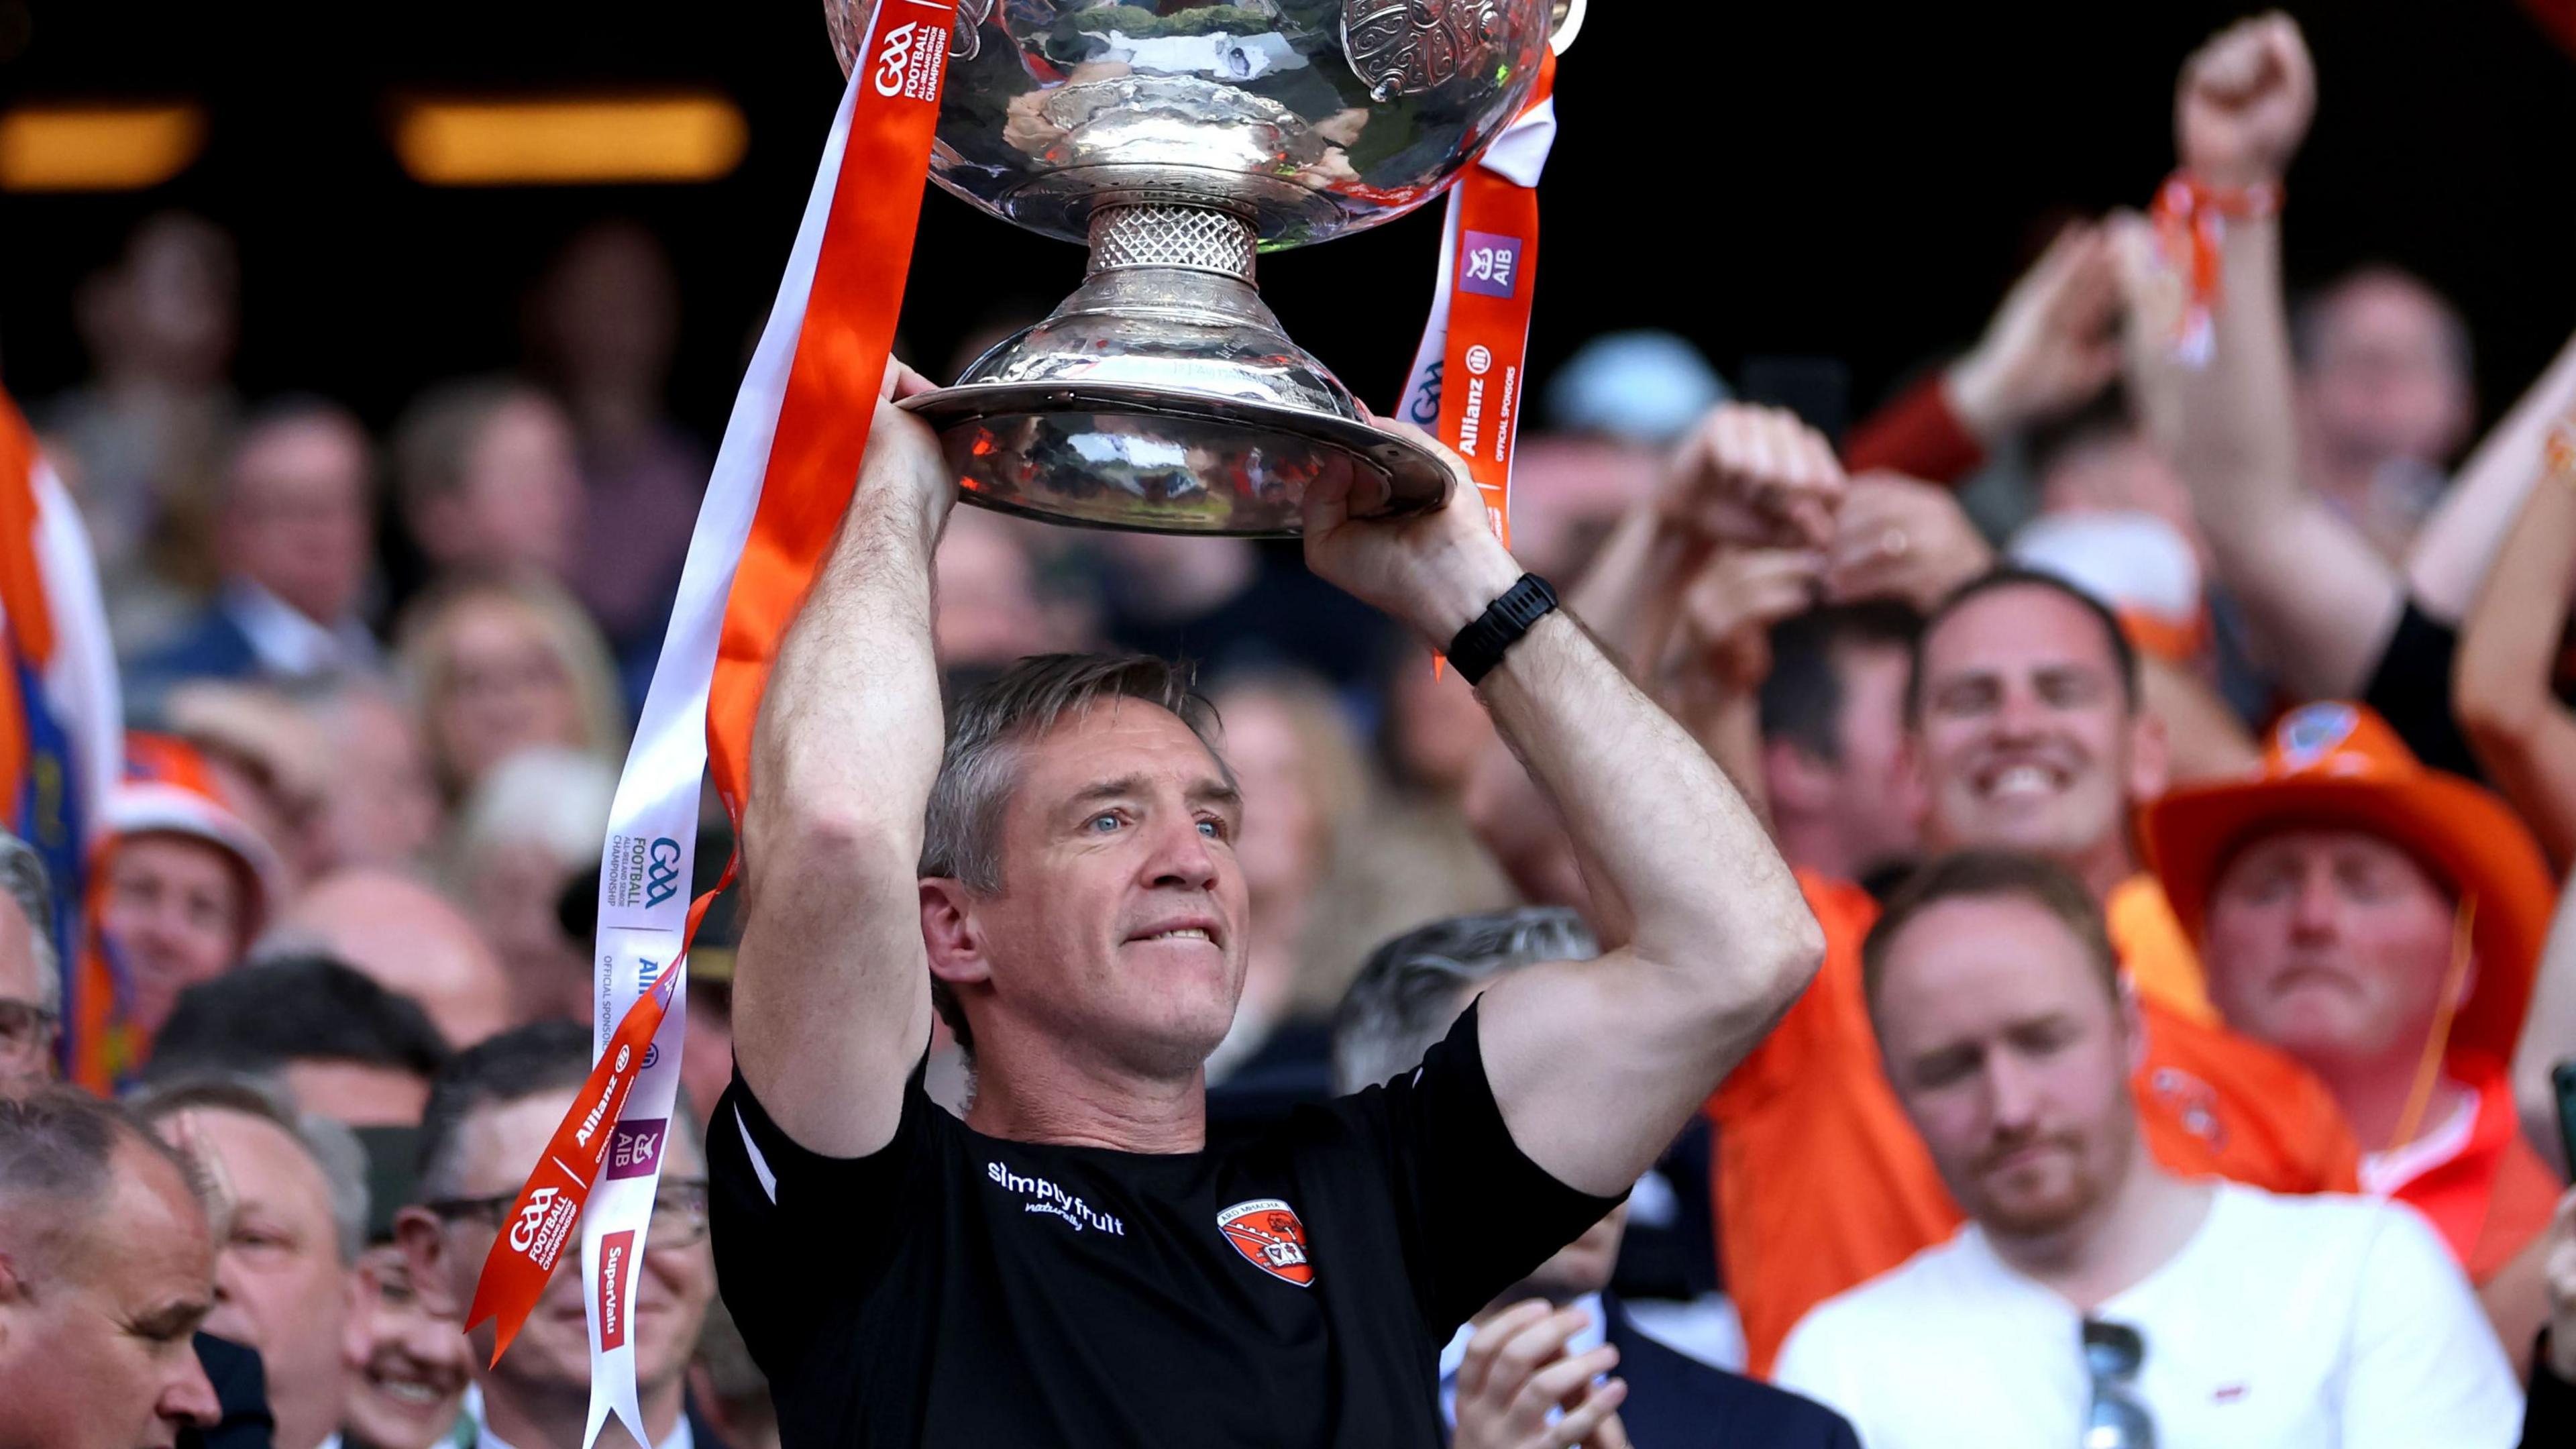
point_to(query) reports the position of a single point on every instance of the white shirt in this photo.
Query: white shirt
(1453, 1356)
(2324, 1322)
(290, 645)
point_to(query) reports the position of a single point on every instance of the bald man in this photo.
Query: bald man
(107, 1266)
(412, 940)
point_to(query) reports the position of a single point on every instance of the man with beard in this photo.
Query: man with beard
(2095, 1296)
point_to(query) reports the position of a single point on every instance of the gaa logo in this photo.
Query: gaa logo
(1479, 361)
(895, 58)
(523, 1233)
(662, 876)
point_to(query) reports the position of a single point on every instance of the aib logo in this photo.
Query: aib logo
(662, 877)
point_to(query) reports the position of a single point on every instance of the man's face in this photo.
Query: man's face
(2384, 383)
(97, 1327)
(407, 1368)
(175, 912)
(1871, 779)
(2025, 735)
(2331, 944)
(551, 1356)
(522, 490)
(279, 1283)
(26, 1035)
(296, 523)
(2012, 1060)
(1121, 919)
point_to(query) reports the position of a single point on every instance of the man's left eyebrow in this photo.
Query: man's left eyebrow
(1217, 792)
(173, 1319)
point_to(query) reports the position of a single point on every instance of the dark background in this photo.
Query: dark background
(1858, 181)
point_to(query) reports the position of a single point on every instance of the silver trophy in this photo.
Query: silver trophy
(1177, 139)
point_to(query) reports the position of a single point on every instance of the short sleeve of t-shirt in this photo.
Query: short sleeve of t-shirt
(1474, 1213)
(2410, 687)
(777, 1201)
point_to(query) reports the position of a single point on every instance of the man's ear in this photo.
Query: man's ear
(1796, 780)
(2133, 1028)
(424, 1243)
(950, 935)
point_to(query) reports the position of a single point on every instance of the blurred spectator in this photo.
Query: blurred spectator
(495, 667)
(379, 805)
(605, 321)
(188, 884)
(1506, 1369)
(294, 1191)
(2325, 610)
(991, 612)
(106, 1269)
(407, 1368)
(293, 541)
(2385, 399)
(731, 1387)
(2097, 1297)
(2381, 923)
(491, 1112)
(1644, 388)
(31, 972)
(1833, 739)
(537, 819)
(143, 443)
(1569, 491)
(412, 940)
(488, 482)
(268, 762)
(1303, 784)
(1226, 604)
(2051, 347)
(342, 1046)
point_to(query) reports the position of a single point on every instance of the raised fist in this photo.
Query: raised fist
(2244, 103)
(1755, 477)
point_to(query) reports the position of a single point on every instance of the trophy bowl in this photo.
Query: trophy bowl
(1176, 140)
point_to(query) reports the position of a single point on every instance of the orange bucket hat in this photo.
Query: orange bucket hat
(2340, 764)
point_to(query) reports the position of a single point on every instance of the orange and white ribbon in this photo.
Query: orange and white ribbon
(782, 480)
(2191, 219)
(1467, 377)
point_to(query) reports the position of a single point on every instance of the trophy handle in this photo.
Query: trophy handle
(1569, 24)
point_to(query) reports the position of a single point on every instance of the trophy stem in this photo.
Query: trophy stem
(1171, 234)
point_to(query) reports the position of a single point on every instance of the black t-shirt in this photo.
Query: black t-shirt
(1289, 1289)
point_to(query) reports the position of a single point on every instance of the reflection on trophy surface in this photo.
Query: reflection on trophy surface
(1176, 140)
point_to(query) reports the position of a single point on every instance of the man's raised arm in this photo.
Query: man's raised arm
(831, 1002)
(1597, 1064)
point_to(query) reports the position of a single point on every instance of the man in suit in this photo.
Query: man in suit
(1504, 1373)
(293, 537)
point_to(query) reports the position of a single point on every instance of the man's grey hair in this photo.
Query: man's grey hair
(1411, 991)
(22, 871)
(962, 835)
(331, 1146)
(57, 1163)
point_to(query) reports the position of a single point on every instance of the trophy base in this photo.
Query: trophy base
(1149, 460)
(1162, 397)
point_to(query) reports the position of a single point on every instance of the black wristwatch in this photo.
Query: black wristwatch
(1480, 646)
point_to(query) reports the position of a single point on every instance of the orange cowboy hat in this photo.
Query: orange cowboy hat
(2340, 764)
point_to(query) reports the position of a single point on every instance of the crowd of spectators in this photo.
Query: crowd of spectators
(2185, 830)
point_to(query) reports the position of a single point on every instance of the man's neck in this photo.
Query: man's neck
(531, 1417)
(1030, 1089)
(2118, 1243)
(2105, 864)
